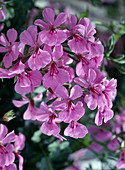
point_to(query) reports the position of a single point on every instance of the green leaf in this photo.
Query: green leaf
(56, 145)
(40, 89)
(119, 59)
(37, 136)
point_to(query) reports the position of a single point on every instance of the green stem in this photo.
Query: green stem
(47, 159)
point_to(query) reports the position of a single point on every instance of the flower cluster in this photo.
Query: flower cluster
(10, 147)
(63, 42)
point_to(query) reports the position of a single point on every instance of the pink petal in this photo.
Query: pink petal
(48, 38)
(108, 114)
(3, 131)
(57, 52)
(76, 92)
(3, 49)
(18, 103)
(60, 19)
(61, 36)
(49, 15)
(20, 162)
(3, 40)
(44, 112)
(36, 78)
(41, 24)
(79, 131)
(39, 60)
(50, 129)
(61, 91)
(91, 75)
(72, 21)
(9, 138)
(10, 157)
(62, 76)
(81, 82)
(21, 90)
(31, 112)
(7, 60)
(26, 36)
(12, 35)
(98, 119)
(14, 52)
(11, 167)
(77, 112)
(19, 142)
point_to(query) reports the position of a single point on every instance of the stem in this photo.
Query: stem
(73, 58)
(47, 160)
(1, 2)
(69, 52)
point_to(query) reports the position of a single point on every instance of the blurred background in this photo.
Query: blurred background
(42, 152)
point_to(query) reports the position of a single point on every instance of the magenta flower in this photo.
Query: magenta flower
(103, 113)
(113, 144)
(99, 134)
(93, 83)
(38, 58)
(78, 44)
(9, 46)
(9, 167)
(2, 16)
(96, 147)
(48, 116)
(70, 111)
(53, 36)
(89, 28)
(75, 130)
(121, 162)
(55, 76)
(6, 152)
(26, 81)
(18, 146)
(32, 110)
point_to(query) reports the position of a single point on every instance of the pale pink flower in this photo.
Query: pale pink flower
(31, 110)
(75, 130)
(9, 46)
(53, 36)
(39, 58)
(121, 162)
(70, 111)
(55, 76)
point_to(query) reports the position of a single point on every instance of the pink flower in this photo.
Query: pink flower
(113, 144)
(89, 28)
(121, 162)
(93, 83)
(6, 152)
(78, 44)
(38, 58)
(32, 110)
(70, 111)
(10, 46)
(53, 36)
(18, 146)
(9, 167)
(2, 16)
(75, 130)
(99, 134)
(55, 76)
(26, 81)
(103, 113)
(48, 116)
(96, 147)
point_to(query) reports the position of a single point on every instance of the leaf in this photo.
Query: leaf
(119, 59)
(56, 145)
(36, 136)
(40, 89)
